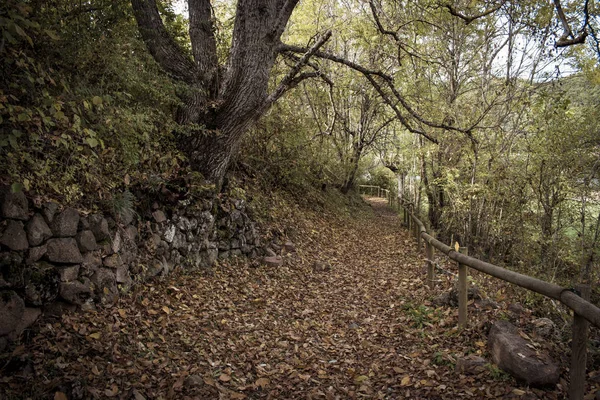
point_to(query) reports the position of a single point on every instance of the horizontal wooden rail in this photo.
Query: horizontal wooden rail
(582, 308)
(566, 296)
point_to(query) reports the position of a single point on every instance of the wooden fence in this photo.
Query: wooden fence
(574, 298)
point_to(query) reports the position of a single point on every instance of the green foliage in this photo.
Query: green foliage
(82, 104)
(123, 205)
(422, 316)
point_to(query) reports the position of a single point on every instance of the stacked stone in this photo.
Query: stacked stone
(50, 254)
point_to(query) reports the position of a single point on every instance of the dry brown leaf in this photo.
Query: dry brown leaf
(60, 396)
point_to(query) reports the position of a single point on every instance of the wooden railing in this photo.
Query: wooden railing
(574, 298)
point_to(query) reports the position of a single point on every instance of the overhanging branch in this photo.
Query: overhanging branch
(292, 79)
(470, 18)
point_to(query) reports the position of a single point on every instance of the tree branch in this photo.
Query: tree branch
(470, 18)
(291, 80)
(567, 38)
(160, 44)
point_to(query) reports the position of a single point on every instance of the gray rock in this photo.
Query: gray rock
(12, 308)
(13, 205)
(35, 254)
(224, 254)
(76, 292)
(130, 233)
(194, 381)
(512, 354)
(106, 248)
(273, 261)
(116, 242)
(113, 261)
(270, 252)
(236, 244)
(63, 251)
(3, 344)
(86, 241)
(49, 210)
(91, 260)
(30, 315)
(84, 223)
(169, 234)
(179, 241)
(211, 256)
(451, 298)
(516, 308)
(126, 217)
(37, 230)
(236, 252)
(41, 283)
(58, 308)
(10, 259)
(155, 240)
(4, 284)
(289, 247)
(99, 226)
(65, 223)
(319, 266)
(105, 286)
(470, 365)
(122, 275)
(68, 273)
(544, 327)
(14, 236)
(159, 216)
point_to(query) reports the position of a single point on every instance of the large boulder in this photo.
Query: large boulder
(512, 354)
(12, 308)
(37, 230)
(65, 223)
(13, 205)
(63, 251)
(14, 236)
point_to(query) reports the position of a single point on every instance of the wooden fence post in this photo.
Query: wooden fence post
(462, 291)
(430, 264)
(579, 349)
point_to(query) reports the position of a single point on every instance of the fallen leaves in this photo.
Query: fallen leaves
(364, 329)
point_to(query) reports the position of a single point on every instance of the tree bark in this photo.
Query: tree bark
(223, 100)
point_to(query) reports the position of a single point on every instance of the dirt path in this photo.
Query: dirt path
(362, 329)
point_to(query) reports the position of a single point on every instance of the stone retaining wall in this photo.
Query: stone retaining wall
(53, 256)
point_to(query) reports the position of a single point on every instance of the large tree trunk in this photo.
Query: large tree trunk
(223, 100)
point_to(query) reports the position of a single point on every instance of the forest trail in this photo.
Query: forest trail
(361, 329)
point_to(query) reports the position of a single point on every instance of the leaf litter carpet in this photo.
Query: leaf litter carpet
(347, 316)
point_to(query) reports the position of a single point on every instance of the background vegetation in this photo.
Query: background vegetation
(512, 170)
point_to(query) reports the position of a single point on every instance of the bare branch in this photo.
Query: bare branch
(567, 38)
(470, 18)
(291, 80)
